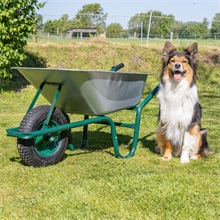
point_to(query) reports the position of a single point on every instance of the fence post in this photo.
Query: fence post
(141, 31)
(181, 34)
(148, 32)
(171, 36)
(134, 36)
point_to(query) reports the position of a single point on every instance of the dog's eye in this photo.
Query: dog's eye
(184, 61)
(172, 61)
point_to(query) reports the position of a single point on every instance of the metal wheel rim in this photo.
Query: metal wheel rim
(46, 146)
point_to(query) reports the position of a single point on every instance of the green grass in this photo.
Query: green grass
(92, 183)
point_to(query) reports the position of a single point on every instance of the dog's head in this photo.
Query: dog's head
(179, 65)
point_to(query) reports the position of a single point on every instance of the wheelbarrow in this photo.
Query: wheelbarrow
(45, 131)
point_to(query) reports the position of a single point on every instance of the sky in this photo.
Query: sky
(120, 11)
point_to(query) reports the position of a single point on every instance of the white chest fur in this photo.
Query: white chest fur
(177, 101)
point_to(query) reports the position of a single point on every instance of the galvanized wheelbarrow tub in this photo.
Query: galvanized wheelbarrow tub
(44, 132)
(89, 92)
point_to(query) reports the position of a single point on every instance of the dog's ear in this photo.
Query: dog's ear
(192, 51)
(167, 50)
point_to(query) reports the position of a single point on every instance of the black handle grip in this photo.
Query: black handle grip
(117, 67)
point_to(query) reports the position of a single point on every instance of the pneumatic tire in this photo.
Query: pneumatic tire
(47, 149)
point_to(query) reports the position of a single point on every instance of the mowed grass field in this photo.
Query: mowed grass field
(92, 183)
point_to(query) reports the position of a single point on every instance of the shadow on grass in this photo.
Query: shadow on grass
(99, 141)
(17, 160)
(18, 82)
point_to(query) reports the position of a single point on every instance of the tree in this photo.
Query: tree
(160, 23)
(215, 27)
(176, 28)
(114, 30)
(39, 24)
(49, 27)
(194, 29)
(17, 20)
(63, 24)
(92, 16)
(134, 24)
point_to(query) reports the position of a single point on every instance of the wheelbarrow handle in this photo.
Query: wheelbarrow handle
(117, 67)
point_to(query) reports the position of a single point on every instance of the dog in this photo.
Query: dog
(180, 132)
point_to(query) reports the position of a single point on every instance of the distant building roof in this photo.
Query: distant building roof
(81, 32)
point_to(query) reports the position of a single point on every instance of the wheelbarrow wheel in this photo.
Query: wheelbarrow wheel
(46, 149)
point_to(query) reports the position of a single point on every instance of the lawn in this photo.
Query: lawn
(92, 183)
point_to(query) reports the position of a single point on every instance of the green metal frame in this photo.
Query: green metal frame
(101, 119)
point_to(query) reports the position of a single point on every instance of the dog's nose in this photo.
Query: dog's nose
(177, 65)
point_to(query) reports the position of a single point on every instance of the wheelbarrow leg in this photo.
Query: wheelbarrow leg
(84, 137)
(85, 130)
(136, 125)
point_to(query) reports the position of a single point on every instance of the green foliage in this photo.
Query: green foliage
(39, 24)
(194, 29)
(92, 15)
(89, 16)
(134, 24)
(160, 23)
(17, 20)
(114, 30)
(49, 27)
(62, 25)
(215, 28)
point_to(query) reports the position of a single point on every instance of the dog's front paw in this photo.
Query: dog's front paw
(194, 157)
(165, 158)
(184, 159)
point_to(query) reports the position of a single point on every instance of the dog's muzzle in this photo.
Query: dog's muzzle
(178, 71)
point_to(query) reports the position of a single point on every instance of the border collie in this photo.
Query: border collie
(180, 132)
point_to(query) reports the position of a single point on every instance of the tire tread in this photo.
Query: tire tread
(26, 147)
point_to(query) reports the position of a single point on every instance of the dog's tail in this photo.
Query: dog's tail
(204, 150)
